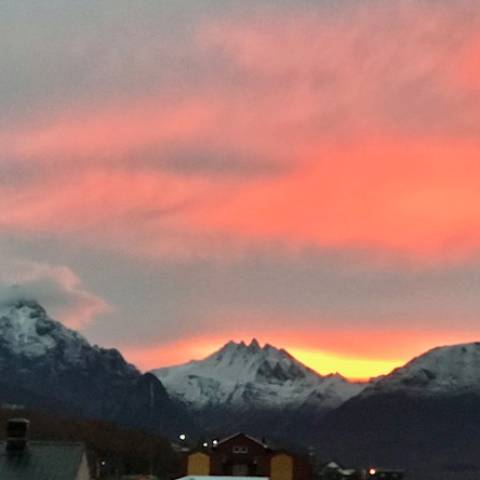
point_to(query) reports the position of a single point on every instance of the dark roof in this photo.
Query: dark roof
(240, 434)
(42, 461)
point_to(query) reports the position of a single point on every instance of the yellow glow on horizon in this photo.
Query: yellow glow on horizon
(350, 367)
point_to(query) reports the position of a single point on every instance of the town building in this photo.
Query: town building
(385, 474)
(334, 471)
(21, 459)
(241, 455)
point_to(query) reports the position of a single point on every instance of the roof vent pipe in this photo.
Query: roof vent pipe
(17, 434)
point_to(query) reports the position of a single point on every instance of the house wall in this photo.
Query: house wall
(302, 469)
(243, 456)
(254, 462)
(83, 470)
(281, 467)
(198, 464)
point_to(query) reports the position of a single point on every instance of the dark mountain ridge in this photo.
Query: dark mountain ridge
(424, 416)
(43, 363)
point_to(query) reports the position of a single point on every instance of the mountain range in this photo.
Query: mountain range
(253, 388)
(244, 376)
(424, 416)
(44, 364)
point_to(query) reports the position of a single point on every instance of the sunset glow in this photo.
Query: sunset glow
(352, 368)
(354, 355)
(322, 362)
(303, 173)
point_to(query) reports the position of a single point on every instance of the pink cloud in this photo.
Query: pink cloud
(109, 131)
(353, 103)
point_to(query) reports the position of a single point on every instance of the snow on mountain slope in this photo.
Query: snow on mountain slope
(27, 331)
(44, 364)
(442, 370)
(240, 375)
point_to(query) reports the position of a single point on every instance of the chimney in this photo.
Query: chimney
(17, 434)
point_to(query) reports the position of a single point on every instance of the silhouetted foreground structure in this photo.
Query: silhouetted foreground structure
(241, 455)
(333, 471)
(21, 459)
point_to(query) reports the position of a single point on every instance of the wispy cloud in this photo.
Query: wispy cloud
(55, 286)
(353, 126)
(232, 133)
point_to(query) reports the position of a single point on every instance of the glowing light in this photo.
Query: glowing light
(372, 471)
(356, 355)
(182, 437)
(350, 367)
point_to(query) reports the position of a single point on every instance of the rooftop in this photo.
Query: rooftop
(42, 461)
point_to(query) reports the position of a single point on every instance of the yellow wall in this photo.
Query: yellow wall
(281, 467)
(198, 464)
(83, 470)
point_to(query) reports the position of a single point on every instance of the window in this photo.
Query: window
(240, 449)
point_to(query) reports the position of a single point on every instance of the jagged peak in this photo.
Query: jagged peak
(241, 374)
(243, 348)
(25, 326)
(252, 362)
(254, 345)
(27, 330)
(24, 302)
(229, 345)
(244, 363)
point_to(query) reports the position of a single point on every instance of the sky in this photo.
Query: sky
(176, 174)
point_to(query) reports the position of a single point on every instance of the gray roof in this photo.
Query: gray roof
(240, 434)
(42, 461)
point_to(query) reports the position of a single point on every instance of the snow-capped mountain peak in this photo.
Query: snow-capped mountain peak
(442, 370)
(26, 329)
(246, 375)
(252, 363)
(27, 332)
(58, 368)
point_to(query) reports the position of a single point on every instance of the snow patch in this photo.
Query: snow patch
(442, 370)
(240, 375)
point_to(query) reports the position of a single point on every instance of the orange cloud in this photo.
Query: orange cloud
(333, 101)
(418, 198)
(372, 108)
(103, 133)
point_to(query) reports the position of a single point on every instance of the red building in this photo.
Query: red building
(241, 455)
